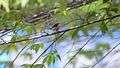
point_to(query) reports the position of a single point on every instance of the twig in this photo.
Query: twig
(5, 32)
(46, 49)
(80, 49)
(60, 31)
(105, 55)
(18, 54)
(86, 24)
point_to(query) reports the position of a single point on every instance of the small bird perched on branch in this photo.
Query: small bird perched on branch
(56, 26)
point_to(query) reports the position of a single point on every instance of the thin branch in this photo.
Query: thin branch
(105, 56)
(5, 32)
(80, 49)
(3, 40)
(58, 32)
(71, 5)
(18, 54)
(46, 49)
(80, 41)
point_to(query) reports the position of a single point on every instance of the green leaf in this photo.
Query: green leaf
(105, 1)
(49, 59)
(13, 47)
(40, 1)
(74, 34)
(36, 47)
(52, 57)
(23, 3)
(14, 38)
(29, 29)
(102, 46)
(39, 66)
(11, 65)
(5, 4)
(34, 66)
(26, 65)
(17, 37)
(58, 56)
(88, 53)
(103, 27)
(65, 13)
(62, 5)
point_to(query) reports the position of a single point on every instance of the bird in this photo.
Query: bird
(56, 26)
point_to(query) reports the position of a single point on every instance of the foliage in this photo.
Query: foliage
(99, 51)
(35, 66)
(36, 47)
(51, 58)
(24, 21)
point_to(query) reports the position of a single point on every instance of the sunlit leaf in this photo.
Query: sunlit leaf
(24, 2)
(65, 13)
(26, 65)
(29, 29)
(51, 58)
(40, 1)
(39, 66)
(88, 53)
(13, 47)
(34, 66)
(36, 47)
(11, 65)
(5, 4)
(103, 46)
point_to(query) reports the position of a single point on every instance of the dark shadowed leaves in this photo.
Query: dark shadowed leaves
(103, 27)
(105, 1)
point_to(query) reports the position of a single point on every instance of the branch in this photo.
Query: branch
(5, 32)
(45, 15)
(18, 54)
(105, 56)
(46, 49)
(59, 31)
(80, 49)
(86, 24)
